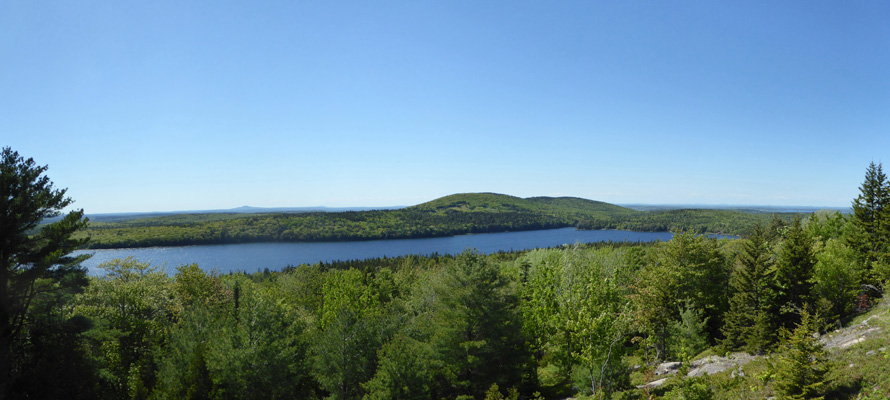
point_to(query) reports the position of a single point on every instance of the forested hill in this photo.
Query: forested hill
(564, 207)
(450, 215)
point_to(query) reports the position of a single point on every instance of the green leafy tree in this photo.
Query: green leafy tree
(574, 306)
(593, 311)
(196, 288)
(29, 252)
(690, 268)
(824, 225)
(836, 275)
(132, 306)
(541, 271)
(351, 329)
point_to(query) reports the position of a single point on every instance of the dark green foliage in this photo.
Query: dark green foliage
(34, 265)
(794, 273)
(404, 371)
(475, 329)
(801, 367)
(750, 322)
(732, 222)
(253, 352)
(871, 218)
(55, 346)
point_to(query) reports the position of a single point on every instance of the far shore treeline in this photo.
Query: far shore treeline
(447, 216)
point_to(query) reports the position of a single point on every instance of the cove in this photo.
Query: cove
(253, 257)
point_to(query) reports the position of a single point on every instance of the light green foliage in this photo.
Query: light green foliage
(824, 225)
(837, 275)
(540, 307)
(575, 310)
(409, 366)
(256, 351)
(302, 288)
(132, 307)
(687, 268)
(196, 288)
(351, 329)
(494, 393)
(690, 389)
(800, 367)
(688, 336)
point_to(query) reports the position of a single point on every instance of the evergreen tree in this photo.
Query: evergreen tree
(801, 365)
(794, 273)
(750, 324)
(29, 254)
(476, 329)
(871, 215)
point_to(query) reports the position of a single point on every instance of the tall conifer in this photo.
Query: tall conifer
(871, 215)
(794, 273)
(749, 323)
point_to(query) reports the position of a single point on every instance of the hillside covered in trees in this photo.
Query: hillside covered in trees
(447, 216)
(591, 321)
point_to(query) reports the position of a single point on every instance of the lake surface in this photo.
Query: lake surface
(252, 257)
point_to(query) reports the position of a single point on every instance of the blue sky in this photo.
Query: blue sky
(181, 105)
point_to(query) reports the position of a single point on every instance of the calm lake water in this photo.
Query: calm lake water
(252, 257)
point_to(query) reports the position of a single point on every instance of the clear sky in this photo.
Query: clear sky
(183, 105)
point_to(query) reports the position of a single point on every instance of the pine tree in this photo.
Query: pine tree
(794, 273)
(749, 323)
(871, 215)
(801, 365)
(30, 253)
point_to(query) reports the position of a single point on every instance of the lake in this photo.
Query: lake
(252, 257)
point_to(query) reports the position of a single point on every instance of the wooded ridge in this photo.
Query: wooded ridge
(447, 216)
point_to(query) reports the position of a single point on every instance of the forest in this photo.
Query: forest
(447, 216)
(585, 321)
